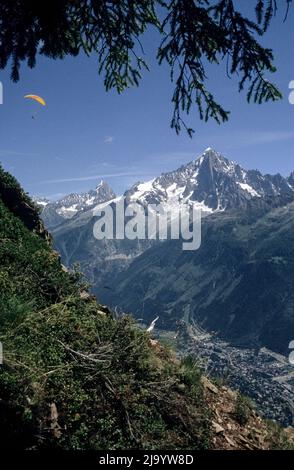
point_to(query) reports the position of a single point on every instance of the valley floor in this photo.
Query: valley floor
(264, 376)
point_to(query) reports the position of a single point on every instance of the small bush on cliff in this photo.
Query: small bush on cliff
(243, 408)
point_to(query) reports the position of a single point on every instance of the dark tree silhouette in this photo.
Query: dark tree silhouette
(194, 33)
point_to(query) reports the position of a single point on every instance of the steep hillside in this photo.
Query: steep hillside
(238, 284)
(73, 376)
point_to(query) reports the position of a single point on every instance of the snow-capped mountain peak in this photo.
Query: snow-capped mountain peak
(100, 185)
(212, 182)
(54, 213)
(73, 203)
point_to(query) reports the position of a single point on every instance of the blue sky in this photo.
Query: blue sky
(85, 134)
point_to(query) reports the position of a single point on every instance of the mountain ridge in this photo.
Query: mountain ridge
(211, 182)
(54, 213)
(217, 190)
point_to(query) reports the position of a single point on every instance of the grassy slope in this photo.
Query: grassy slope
(73, 376)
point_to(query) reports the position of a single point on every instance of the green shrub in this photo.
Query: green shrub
(278, 437)
(243, 409)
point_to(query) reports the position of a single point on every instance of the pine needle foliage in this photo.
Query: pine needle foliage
(193, 35)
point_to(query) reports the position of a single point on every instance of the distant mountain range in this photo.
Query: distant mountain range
(211, 182)
(239, 282)
(54, 213)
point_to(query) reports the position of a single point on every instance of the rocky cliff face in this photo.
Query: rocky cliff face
(237, 426)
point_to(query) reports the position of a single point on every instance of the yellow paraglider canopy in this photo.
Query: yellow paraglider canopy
(37, 98)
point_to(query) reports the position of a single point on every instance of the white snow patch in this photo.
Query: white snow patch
(201, 205)
(249, 189)
(175, 192)
(142, 189)
(90, 201)
(67, 209)
(42, 203)
(67, 212)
